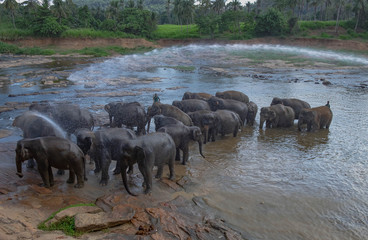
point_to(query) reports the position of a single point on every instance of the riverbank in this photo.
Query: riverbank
(72, 43)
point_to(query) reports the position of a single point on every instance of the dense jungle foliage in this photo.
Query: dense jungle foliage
(345, 19)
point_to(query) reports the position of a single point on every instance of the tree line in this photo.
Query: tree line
(264, 17)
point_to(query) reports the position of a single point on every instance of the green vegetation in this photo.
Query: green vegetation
(179, 19)
(66, 225)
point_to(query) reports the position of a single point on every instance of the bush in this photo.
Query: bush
(272, 23)
(49, 27)
(108, 25)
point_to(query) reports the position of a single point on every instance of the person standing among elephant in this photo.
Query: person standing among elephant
(328, 104)
(156, 98)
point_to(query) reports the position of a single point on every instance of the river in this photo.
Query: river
(267, 183)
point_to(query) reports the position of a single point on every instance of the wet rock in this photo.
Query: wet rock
(316, 82)
(18, 105)
(326, 82)
(175, 88)
(49, 80)
(185, 182)
(40, 190)
(87, 222)
(108, 94)
(71, 212)
(5, 109)
(34, 93)
(19, 80)
(28, 84)
(171, 184)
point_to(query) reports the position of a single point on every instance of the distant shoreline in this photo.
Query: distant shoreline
(80, 43)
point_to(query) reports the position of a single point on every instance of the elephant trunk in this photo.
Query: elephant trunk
(262, 120)
(300, 122)
(148, 124)
(206, 129)
(125, 180)
(19, 166)
(200, 148)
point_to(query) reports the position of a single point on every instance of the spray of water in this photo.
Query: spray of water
(59, 132)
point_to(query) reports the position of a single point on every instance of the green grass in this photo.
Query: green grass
(67, 225)
(176, 31)
(313, 25)
(10, 48)
(91, 33)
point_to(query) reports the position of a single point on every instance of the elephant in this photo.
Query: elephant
(130, 114)
(154, 149)
(168, 111)
(228, 122)
(234, 95)
(296, 104)
(191, 105)
(315, 118)
(161, 120)
(69, 116)
(50, 152)
(277, 116)
(182, 135)
(201, 96)
(111, 108)
(104, 146)
(34, 124)
(238, 107)
(252, 113)
(207, 121)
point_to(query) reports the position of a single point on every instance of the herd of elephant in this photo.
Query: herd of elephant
(199, 117)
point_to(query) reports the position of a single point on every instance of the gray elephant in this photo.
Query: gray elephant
(154, 149)
(161, 121)
(104, 146)
(201, 96)
(50, 152)
(129, 114)
(296, 104)
(277, 116)
(207, 121)
(112, 108)
(252, 113)
(229, 122)
(168, 111)
(34, 124)
(191, 105)
(69, 116)
(238, 107)
(182, 135)
(315, 118)
(234, 95)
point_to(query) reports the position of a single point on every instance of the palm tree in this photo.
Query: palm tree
(248, 7)
(259, 4)
(11, 5)
(218, 6)
(315, 4)
(112, 10)
(340, 3)
(59, 10)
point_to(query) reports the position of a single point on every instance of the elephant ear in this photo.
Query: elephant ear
(196, 132)
(139, 154)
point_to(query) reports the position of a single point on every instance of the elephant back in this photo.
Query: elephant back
(201, 96)
(234, 95)
(191, 105)
(296, 104)
(174, 112)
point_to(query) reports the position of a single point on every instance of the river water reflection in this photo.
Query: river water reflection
(270, 183)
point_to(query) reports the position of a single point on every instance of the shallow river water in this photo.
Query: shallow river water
(268, 183)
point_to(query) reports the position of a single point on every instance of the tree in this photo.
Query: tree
(218, 6)
(11, 6)
(58, 10)
(340, 3)
(271, 23)
(138, 22)
(248, 7)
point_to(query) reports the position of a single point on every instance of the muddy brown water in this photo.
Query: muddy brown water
(268, 183)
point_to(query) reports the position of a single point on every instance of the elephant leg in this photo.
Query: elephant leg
(117, 169)
(71, 178)
(30, 163)
(80, 179)
(97, 165)
(147, 177)
(44, 175)
(51, 176)
(171, 169)
(185, 155)
(235, 133)
(160, 169)
(130, 170)
(177, 156)
(105, 171)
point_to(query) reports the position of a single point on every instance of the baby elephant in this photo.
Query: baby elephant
(52, 152)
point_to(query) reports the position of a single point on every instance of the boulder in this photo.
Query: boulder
(88, 222)
(71, 212)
